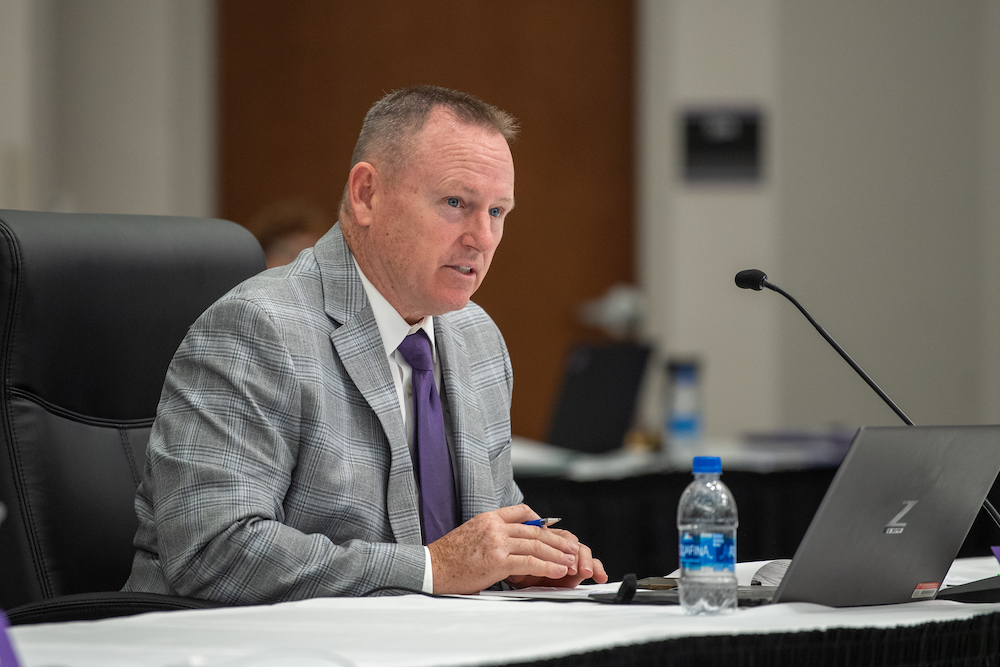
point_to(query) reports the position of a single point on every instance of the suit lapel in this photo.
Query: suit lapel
(476, 488)
(359, 347)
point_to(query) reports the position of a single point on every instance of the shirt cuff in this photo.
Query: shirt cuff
(428, 586)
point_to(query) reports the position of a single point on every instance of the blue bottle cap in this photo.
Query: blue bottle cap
(707, 464)
(684, 372)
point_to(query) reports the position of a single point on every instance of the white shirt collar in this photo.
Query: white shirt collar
(391, 325)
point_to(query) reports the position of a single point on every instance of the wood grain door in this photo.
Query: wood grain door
(297, 76)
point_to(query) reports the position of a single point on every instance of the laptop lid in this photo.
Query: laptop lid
(895, 515)
(599, 391)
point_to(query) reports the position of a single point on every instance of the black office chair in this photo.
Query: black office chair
(93, 308)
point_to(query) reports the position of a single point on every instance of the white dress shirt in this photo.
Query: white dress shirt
(393, 329)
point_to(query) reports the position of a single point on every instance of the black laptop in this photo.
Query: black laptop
(892, 521)
(597, 402)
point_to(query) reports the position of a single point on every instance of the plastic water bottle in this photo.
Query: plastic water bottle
(706, 523)
(683, 410)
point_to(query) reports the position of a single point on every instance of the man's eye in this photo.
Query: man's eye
(453, 201)
(495, 211)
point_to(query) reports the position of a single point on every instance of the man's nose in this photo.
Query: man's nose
(483, 231)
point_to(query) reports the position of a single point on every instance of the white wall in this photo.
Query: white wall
(880, 219)
(16, 104)
(112, 106)
(879, 210)
(693, 239)
(989, 188)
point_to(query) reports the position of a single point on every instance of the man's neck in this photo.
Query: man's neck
(391, 325)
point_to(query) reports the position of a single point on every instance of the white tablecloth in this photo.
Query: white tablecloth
(416, 631)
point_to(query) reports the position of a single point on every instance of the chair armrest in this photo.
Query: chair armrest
(94, 606)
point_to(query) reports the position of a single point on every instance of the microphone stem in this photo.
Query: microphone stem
(847, 357)
(987, 505)
(992, 511)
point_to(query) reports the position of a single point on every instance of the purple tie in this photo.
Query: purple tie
(437, 488)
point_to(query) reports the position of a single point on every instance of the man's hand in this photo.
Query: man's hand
(496, 545)
(586, 567)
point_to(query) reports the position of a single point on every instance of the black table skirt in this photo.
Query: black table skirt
(970, 643)
(631, 523)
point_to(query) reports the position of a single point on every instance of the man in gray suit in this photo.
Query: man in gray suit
(287, 457)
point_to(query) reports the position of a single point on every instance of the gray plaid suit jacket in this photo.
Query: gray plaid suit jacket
(278, 467)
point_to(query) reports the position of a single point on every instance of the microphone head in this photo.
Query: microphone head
(751, 279)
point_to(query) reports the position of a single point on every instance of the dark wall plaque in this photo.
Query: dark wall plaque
(722, 145)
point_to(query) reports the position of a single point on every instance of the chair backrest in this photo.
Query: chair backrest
(92, 309)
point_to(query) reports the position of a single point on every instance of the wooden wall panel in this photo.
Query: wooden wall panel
(296, 77)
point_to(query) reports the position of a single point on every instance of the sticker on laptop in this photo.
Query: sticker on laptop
(927, 590)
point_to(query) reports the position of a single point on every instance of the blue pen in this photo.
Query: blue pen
(542, 523)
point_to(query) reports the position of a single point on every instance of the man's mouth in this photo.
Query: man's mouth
(464, 270)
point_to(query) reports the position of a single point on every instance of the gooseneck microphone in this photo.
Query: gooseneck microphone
(756, 279)
(753, 279)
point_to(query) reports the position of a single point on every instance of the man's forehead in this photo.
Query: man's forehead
(454, 145)
(443, 124)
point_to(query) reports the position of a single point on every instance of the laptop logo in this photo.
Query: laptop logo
(896, 526)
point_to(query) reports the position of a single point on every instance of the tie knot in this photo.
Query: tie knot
(416, 349)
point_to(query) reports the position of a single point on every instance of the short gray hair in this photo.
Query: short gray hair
(392, 123)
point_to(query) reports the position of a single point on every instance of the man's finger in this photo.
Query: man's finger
(533, 567)
(559, 539)
(566, 535)
(589, 567)
(516, 513)
(600, 575)
(541, 551)
(585, 562)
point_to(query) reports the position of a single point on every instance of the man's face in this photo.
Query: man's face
(435, 227)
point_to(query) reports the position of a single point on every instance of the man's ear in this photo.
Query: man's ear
(361, 187)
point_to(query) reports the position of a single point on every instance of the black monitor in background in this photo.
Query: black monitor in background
(598, 398)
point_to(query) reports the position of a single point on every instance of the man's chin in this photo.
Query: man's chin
(451, 304)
